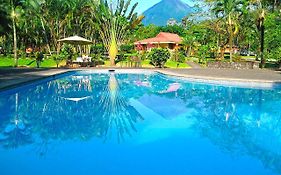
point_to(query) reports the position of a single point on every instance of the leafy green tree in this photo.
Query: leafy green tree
(203, 53)
(143, 32)
(248, 37)
(39, 58)
(58, 58)
(173, 29)
(229, 11)
(261, 10)
(159, 57)
(4, 20)
(13, 8)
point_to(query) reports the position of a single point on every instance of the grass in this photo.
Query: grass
(27, 62)
(146, 64)
(50, 63)
(248, 57)
(173, 64)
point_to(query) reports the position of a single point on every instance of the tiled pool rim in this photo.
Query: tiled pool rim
(230, 82)
(233, 82)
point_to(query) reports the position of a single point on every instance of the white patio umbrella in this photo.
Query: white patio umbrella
(76, 40)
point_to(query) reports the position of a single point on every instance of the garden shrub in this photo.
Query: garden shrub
(39, 58)
(97, 59)
(275, 55)
(237, 58)
(159, 56)
(58, 58)
(206, 51)
(202, 53)
(98, 54)
(179, 56)
(98, 49)
(144, 55)
(67, 52)
(127, 48)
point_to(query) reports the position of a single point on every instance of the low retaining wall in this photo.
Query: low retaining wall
(234, 65)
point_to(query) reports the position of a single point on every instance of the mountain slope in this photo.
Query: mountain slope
(161, 12)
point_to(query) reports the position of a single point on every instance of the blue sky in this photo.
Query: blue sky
(145, 4)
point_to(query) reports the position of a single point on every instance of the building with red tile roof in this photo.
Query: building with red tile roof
(163, 39)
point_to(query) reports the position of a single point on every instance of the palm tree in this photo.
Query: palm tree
(229, 11)
(261, 8)
(260, 18)
(36, 7)
(13, 8)
(114, 22)
(261, 28)
(4, 20)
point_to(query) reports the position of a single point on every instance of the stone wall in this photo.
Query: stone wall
(233, 65)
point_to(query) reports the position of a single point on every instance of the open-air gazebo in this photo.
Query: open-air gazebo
(78, 41)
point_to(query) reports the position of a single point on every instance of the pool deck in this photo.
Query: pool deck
(12, 77)
(246, 78)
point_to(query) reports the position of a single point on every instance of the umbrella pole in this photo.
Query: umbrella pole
(80, 50)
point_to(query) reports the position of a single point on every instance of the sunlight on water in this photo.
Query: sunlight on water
(114, 123)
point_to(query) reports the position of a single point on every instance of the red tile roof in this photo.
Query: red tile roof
(162, 37)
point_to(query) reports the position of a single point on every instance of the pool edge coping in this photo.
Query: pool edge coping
(195, 78)
(224, 80)
(23, 83)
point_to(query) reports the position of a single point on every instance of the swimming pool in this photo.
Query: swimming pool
(138, 123)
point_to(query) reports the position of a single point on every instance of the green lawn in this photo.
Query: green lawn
(27, 62)
(50, 63)
(146, 64)
(173, 64)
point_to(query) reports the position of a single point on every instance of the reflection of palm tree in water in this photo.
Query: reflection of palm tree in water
(54, 118)
(115, 112)
(16, 133)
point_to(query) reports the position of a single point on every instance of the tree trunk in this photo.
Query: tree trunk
(262, 28)
(231, 48)
(189, 51)
(38, 64)
(249, 49)
(15, 37)
(262, 44)
(230, 38)
(46, 38)
(222, 52)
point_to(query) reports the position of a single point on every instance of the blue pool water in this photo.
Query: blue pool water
(135, 124)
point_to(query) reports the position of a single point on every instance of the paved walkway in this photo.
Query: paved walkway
(257, 75)
(194, 65)
(13, 77)
(243, 78)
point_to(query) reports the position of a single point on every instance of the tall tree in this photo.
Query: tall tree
(14, 10)
(260, 8)
(114, 20)
(229, 11)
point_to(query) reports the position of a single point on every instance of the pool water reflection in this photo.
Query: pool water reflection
(114, 123)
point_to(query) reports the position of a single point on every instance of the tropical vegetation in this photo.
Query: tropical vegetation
(252, 26)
